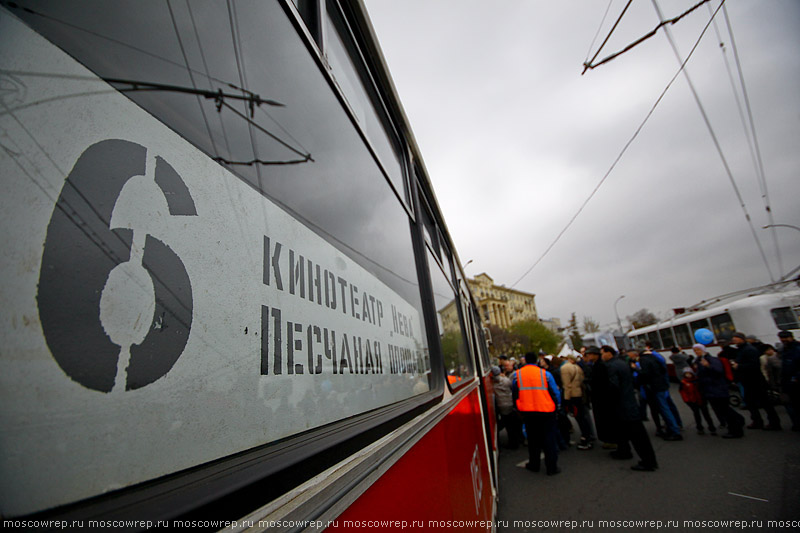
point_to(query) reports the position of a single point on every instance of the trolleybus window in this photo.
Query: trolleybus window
(308, 122)
(786, 318)
(666, 337)
(356, 83)
(309, 11)
(640, 340)
(455, 350)
(286, 285)
(723, 325)
(654, 340)
(699, 324)
(683, 338)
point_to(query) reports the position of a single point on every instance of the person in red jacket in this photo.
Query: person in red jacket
(690, 392)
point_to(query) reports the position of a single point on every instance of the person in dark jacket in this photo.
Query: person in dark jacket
(604, 422)
(652, 377)
(790, 376)
(625, 409)
(714, 388)
(747, 370)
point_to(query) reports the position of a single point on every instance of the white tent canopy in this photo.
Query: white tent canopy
(566, 350)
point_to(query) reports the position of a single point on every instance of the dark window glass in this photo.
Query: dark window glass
(341, 194)
(483, 349)
(453, 341)
(309, 11)
(640, 340)
(683, 338)
(723, 325)
(699, 324)
(654, 339)
(430, 233)
(667, 338)
(356, 84)
(785, 318)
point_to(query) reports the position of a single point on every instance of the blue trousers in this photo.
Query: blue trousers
(662, 400)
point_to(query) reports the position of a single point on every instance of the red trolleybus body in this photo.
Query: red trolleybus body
(223, 272)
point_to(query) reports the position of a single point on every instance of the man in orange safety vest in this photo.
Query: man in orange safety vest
(537, 398)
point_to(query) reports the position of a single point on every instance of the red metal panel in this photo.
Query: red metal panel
(444, 477)
(490, 413)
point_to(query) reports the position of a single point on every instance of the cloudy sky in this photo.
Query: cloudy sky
(515, 140)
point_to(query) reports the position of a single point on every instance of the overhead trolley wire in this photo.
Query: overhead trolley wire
(622, 152)
(762, 175)
(591, 64)
(191, 76)
(600, 27)
(587, 64)
(715, 140)
(738, 99)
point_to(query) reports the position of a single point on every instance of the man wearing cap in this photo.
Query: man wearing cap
(627, 413)
(537, 399)
(747, 370)
(596, 379)
(790, 375)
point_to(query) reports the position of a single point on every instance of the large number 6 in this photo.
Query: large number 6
(80, 252)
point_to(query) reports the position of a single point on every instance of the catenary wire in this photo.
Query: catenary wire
(619, 157)
(191, 76)
(592, 65)
(600, 27)
(762, 175)
(716, 140)
(208, 77)
(614, 27)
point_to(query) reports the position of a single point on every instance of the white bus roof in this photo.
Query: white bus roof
(787, 297)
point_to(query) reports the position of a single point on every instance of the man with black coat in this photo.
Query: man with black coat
(626, 411)
(596, 380)
(653, 378)
(747, 370)
(714, 388)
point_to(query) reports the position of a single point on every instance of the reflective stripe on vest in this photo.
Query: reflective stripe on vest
(534, 394)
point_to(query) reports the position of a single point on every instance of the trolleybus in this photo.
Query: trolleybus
(761, 312)
(223, 262)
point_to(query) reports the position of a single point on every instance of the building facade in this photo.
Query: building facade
(498, 305)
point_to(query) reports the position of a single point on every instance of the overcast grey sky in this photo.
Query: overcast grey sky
(515, 140)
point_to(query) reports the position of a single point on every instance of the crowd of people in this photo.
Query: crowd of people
(611, 394)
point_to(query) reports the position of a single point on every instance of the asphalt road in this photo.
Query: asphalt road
(703, 483)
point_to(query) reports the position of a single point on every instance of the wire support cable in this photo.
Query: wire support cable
(614, 27)
(619, 157)
(592, 65)
(716, 140)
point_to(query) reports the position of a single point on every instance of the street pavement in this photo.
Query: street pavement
(703, 483)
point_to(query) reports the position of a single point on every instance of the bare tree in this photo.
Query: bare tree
(641, 318)
(589, 325)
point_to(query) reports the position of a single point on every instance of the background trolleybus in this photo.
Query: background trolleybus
(760, 312)
(222, 268)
